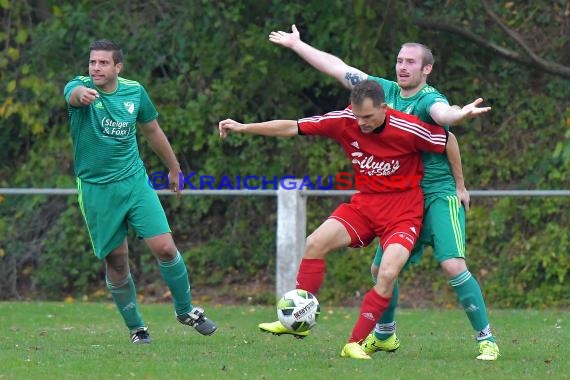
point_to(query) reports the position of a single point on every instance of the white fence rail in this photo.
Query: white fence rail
(291, 217)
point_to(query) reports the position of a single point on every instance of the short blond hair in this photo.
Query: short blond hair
(427, 56)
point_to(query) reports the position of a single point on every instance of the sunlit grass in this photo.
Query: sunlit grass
(88, 341)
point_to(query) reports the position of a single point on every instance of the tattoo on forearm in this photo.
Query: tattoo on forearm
(353, 78)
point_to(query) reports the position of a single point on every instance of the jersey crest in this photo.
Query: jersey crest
(130, 107)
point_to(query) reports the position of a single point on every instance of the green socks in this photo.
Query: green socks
(175, 275)
(125, 297)
(470, 297)
(387, 324)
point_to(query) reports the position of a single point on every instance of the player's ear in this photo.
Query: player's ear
(119, 67)
(427, 69)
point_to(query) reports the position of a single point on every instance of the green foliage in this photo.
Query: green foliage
(67, 265)
(531, 267)
(204, 61)
(239, 250)
(348, 275)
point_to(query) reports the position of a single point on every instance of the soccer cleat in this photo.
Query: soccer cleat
(140, 336)
(277, 328)
(372, 344)
(198, 320)
(488, 350)
(354, 351)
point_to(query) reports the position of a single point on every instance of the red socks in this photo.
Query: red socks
(311, 275)
(373, 305)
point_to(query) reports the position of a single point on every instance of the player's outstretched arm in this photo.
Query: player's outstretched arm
(444, 114)
(281, 128)
(320, 60)
(82, 96)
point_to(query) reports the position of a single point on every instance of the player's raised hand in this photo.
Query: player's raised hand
(285, 39)
(227, 125)
(472, 110)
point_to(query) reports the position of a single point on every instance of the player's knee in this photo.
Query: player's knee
(118, 259)
(162, 247)
(315, 247)
(453, 267)
(165, 251)
(117, 266)
(388, 273)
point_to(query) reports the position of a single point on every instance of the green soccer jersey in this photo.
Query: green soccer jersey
(104, 133)
(438, 177)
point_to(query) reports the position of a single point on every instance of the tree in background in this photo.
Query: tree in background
(205, 59)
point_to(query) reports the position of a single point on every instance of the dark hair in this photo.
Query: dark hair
(427, 56)
(367, 89)
(107, 45)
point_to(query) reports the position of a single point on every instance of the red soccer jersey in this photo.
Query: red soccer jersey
(385, 160)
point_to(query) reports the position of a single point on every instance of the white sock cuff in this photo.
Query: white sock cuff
(385, 328)
(485, 333)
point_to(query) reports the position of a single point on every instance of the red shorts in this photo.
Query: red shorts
(393, 217)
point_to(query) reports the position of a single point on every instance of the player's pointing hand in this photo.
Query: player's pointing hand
(88, 96)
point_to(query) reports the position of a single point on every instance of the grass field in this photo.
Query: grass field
(88, 341)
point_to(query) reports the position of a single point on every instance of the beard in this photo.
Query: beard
(409, 85)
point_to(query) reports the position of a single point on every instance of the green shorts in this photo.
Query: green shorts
(110, 208)
(443, 229)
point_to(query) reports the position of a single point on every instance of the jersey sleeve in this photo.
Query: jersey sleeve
(427, 101)
(147, 111)
(72, 85)
(328, 125)
(430, 137)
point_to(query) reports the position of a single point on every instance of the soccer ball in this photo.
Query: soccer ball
(298, 310)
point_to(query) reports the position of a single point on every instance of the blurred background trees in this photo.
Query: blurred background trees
(203, 61)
